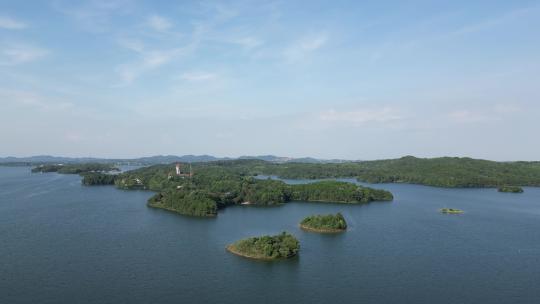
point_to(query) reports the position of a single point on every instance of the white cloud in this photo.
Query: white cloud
(467, 116)
(96, 15)
(198, 76)
(496, 21)
(11, 24)
(13, 54)
(159, 23)
(32, 100)
(495, 113)
(304, 46)
(506, 108)
(132, 45)
(150, 60)
(385, 114)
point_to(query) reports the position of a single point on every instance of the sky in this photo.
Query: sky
(326, 79)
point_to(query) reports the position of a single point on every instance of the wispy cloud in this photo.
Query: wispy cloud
(14, 54)
(198, 76)
(32, 100)
(468, 116)
(11, 24)
(96, 15)
(495, 21)
(304, 46)
(149, 60)
(487, 114)
(360, 116)
(159, 23)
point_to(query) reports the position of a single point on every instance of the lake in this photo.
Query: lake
(61, 242)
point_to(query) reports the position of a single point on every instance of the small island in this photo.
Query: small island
(281, 246)
(330, 223)
(451, 211)
(510, 189)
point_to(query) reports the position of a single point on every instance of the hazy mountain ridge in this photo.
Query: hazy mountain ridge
(159, 159)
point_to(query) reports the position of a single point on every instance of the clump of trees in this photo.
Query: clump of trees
(279, 246)
(194, 203)
(339, 192)
(94, 178)
(511, 189)
(329, 222)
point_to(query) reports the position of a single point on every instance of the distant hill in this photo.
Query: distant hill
(158, 159)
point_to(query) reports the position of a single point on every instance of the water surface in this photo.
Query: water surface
(61, 242)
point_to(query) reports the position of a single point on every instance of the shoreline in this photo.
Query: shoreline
(234, 251)
(153, 205)
(321, 230)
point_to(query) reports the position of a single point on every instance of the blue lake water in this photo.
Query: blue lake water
(61, 242)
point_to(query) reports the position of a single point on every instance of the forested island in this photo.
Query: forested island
(220, 184)
(281, 246)
(510, 189)
(217, 184)
(451, 211)
(75, 168)
(324, 223)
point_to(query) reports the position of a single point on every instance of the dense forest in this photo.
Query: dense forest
(97, 178)
(219, 184)
(441, 172)
(222, 183)
(324, 223)
(266, 247)
(74, 168)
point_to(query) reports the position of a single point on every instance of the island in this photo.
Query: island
(74, 168)
(211, 186)
(510, 189)
(203, 188)
(330, 223)
(281, 246)
(451, 211)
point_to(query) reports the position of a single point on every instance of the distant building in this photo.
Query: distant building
(182, 174)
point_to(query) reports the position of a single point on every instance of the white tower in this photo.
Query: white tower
(177, 168)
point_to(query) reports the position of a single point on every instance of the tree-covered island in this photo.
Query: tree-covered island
(218, 184)
(281, 246)
(510, 189)
(324, 223)
(451, 211)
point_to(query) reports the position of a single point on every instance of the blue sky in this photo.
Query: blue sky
(329, 79)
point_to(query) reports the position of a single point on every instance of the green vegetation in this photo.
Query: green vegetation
(193, 203)
(451, 211)
(216, 185)
(75, 168)
(96, 178)
(440, 172)
(337, 192)
(324, 223)
(266, 247)
(511, 189)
